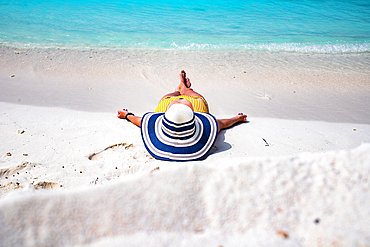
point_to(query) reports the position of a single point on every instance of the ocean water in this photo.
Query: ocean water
(325, 26)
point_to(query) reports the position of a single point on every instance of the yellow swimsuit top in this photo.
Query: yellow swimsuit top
(199, 103)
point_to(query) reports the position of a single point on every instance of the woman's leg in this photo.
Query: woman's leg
(191, 92)
(181, 87)
(176, 93)
(227, 123)
(184, 86)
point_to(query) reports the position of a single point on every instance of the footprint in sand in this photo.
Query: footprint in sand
(122, 159)
(13, 170)
(46, 185)
(123, 151)
(19, 176)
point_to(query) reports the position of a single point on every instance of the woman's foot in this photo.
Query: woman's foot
(183, 82)
(188, 84)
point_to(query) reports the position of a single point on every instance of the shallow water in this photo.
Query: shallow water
(271, 25)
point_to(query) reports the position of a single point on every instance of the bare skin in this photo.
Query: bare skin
(184, 88)
(134, 119)
(228, 122)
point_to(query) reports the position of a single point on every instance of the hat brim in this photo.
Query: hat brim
(163, 147)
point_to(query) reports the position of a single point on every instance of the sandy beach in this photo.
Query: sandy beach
(73, 174)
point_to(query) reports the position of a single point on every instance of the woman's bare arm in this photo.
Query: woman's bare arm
(227, 123)
(133, 119)
(222, 123)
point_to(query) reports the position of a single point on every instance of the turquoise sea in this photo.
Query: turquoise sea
(313, 26)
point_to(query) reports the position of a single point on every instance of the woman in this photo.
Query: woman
(181, 128)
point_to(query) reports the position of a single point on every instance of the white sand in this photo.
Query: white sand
(307, 200)
(59, 108)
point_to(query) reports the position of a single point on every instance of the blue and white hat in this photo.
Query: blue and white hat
(179, 134)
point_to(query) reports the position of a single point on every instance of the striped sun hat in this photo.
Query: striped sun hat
(179, 134)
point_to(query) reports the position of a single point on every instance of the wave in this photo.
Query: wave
(323, 48)
(330, 48)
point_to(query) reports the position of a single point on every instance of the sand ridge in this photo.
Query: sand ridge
(309, 199)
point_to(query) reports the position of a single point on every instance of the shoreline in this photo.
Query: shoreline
(319, 87)
(328, 47)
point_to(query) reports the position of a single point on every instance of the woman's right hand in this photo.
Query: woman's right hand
(122, 114)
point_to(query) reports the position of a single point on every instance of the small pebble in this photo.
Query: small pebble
(283, 234)
(25, 154)
(155, 169)
(354, 129)
(12, 76)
